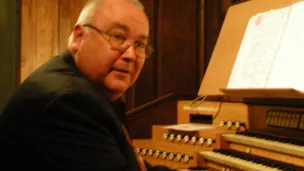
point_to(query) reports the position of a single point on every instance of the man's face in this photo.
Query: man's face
(113, 70)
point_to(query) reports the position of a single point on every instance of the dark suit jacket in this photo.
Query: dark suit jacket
(58, 120)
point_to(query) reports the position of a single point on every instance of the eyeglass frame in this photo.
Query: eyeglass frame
(148, 47)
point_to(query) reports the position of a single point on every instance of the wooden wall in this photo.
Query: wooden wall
(46, 25)
(174, 67)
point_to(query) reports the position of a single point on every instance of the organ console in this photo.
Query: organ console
(223, 114)
(224, 132)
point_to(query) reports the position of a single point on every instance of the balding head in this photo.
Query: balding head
(113, 67)
(89, 9)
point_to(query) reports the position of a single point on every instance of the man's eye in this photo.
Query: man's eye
(140, 45)
(117, 36)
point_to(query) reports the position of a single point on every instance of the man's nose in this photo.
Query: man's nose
(129, 54)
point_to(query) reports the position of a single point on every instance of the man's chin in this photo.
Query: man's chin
(118, 87)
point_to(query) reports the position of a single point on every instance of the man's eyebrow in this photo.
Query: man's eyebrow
(121, 26)
(144, 37)
(126, 28)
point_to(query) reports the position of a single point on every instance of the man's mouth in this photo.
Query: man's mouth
(122, 70)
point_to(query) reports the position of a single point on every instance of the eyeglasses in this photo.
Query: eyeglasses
(120, 43)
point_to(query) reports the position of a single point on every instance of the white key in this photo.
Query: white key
(234, 162)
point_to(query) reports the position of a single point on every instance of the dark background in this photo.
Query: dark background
(9, 48)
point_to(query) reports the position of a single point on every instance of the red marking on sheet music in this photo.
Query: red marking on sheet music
(258, 20)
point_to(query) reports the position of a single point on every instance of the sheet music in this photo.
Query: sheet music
(189, 127)
(258, 49)
(289, 64)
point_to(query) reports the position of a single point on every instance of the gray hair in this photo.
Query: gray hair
(88, 10)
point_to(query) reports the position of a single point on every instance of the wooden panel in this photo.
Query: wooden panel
(140, 124)
(39, 36)
(46, 30)
(9, 48)
(177, 64)
(227, 3)
(145, 89)
(65, 27)
(201, 42)
(161, 111)
(177, 46)
(69, 11)
(220, 111)
(213, 22)
(28, 45)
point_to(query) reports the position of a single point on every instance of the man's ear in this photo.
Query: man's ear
(76, 38)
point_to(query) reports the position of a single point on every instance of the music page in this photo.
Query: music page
(288, 67)
(258, 48)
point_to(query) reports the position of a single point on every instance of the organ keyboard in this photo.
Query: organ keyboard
(234, 160)
(266, 145)
(251, 150)
(286, 146)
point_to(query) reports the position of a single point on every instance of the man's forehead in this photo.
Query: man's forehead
(117, 24)
(125, 16)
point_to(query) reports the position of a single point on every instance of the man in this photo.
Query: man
(62, 116)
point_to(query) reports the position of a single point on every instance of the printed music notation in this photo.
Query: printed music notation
(271, 52)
